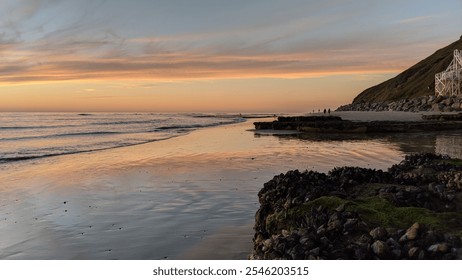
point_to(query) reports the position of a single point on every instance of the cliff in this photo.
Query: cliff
(418, 80)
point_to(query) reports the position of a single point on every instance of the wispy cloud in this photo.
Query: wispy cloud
(416, 19)
(183, 65)
(37, 44)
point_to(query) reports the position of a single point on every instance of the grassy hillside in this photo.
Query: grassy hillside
(416, 81)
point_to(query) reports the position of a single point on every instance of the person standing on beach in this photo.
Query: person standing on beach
(324, 111)
(328, 111)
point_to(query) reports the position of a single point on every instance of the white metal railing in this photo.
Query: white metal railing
(449, 82)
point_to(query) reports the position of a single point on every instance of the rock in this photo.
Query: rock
(324, 231)
(268, 243)
(315, 252)
(448, 102)
(324, 241)
(411, 233)
(392, 243)
(448, 109)
(438, 248)
(350, 224)
(379, 233)
(437, 107)
(307, 242)
(396, 253)
(296, 252)
(439, 99)
(380, 249)
(361, 251)
(334, 223)
(341, 208)
(365, 238)
(321, 230)
(413, 253)
(425, 103)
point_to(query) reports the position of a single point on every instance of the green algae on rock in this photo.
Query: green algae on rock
(358, 213)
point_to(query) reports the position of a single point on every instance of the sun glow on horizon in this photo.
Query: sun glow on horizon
(210, 95)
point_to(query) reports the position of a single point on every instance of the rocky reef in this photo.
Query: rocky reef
(335, 124)
(411, 211)
(418, 104)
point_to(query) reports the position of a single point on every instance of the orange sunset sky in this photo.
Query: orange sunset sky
(210, 55)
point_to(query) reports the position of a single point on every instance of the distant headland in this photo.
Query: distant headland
(414, 89)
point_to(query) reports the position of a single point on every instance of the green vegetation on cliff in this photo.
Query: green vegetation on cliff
(419, 80)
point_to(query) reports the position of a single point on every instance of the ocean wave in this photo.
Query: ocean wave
(90, 134)
(126, 122)
(192, 126)
(36, 127)
(7, 159)
(61, 135)
(178, 127)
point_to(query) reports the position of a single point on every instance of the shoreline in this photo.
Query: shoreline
(188, 129)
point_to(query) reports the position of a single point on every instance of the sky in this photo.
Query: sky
(210, 55)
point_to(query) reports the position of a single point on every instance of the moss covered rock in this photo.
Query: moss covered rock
(356, 213)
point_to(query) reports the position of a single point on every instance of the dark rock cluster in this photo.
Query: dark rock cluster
(418, 104)
(293, 123)
(334, 124)
(411, 211)
(343, 235)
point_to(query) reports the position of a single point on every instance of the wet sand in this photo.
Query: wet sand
(190, 197)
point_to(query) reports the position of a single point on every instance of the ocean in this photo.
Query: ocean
(25, 136)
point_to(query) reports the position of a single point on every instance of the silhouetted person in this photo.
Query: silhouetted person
(324, 111)
(329, 111)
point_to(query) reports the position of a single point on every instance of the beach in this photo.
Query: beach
(188, 197)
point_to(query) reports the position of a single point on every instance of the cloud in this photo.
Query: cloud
(413, 20)
(303, 40)
(184, 66)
